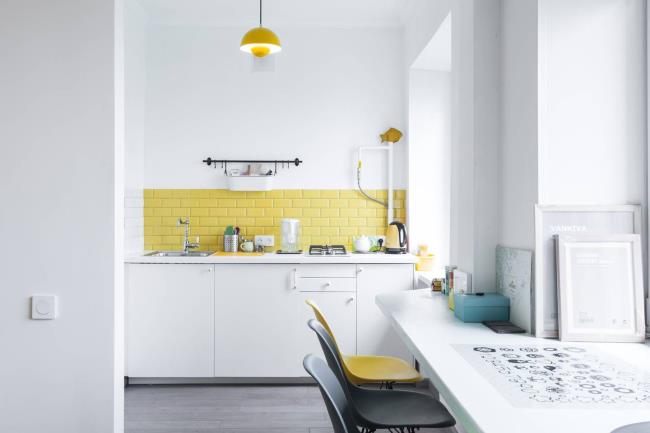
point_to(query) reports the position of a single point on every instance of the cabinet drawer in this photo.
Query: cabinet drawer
(326, 284)
(327, 271)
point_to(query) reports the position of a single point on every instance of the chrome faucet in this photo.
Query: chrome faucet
(187, 245)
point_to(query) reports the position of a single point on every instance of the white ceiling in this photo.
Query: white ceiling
(301, 13)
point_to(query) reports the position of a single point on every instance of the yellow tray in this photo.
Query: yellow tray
(223, 253)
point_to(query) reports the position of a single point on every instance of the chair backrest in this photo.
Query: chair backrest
(332, 355)
(321, 318)
(333, 395)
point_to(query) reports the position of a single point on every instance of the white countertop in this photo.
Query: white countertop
(280, 258)
(429, 330)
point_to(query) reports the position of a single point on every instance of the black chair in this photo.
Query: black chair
(383, 409)
(335, 401)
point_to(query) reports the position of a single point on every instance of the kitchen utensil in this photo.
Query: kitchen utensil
(290, 235)
(396, 239)
(362, 244)
(231, 243)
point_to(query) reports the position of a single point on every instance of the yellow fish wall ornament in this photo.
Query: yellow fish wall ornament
(392, 135)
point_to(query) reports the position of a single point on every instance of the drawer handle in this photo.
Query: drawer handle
(328, 284)
(295, 279)
(350, 300)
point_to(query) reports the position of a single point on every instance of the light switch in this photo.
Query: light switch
(43, 307)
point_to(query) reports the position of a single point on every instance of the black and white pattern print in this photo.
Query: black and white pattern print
(559, 376)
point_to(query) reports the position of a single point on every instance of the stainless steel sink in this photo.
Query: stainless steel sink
(180, 254)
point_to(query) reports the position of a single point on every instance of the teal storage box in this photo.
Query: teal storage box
(476, 309)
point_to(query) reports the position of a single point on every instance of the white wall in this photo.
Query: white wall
(332, 91)
(592, 101)
(518, 151)
(60, 222)
(135, 91)
(486, 140)
(475, 124)
(429, 161)
(422, 18)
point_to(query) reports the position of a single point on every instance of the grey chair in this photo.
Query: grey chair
(383, 409)
(335, 401)
(642, 427)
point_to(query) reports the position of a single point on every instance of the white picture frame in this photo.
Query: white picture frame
(600, 283)
(551, 220)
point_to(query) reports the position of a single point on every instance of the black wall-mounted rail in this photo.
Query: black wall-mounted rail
(224, 162)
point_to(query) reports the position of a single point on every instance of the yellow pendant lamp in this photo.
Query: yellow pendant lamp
(260, 41)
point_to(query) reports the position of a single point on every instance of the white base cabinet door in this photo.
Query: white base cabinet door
(169, 329)
(375, 336)
(256, 321)
(340, 310)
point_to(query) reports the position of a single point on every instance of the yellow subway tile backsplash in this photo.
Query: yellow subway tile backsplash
(329, 193)
(309, 212)
(311, 193)
(301, 202)
(293, 193)
(326, 216)
(329, 212)
(274, 212)
(282, 202)
(319, 202)
(245, 203)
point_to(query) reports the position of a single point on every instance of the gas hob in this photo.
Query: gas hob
(327, 250)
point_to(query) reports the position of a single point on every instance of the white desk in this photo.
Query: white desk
(429, 330)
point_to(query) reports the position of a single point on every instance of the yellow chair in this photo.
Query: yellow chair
(361, 369)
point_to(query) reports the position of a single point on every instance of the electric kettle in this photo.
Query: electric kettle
(396, 238)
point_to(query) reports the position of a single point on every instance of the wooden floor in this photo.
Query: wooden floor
(226, 409)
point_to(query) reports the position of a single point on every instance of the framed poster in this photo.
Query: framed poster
(600, 281)
(556, 220)
(514, 280)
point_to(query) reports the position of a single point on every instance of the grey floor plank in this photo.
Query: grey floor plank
(223, 409)
(228, 409)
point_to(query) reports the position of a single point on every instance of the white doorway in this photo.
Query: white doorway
(429, 200)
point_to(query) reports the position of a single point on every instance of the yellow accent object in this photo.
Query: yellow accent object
(392, 135)
(225, 254)
(425, 263)
(260, 42)
(362, 369)
(451, 303)
(339, 212)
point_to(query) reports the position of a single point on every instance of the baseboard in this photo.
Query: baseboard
(221, 381)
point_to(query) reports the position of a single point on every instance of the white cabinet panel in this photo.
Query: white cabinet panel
(374, 334)
(340, 310)
(256, 321)
(326, 284)
(333, 270)
(170, 329)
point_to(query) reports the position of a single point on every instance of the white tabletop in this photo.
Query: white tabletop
(430, 330)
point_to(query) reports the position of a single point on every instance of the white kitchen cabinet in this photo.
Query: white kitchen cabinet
(170, 312)
(250, 320)
(340, 310)
(256, 321)
(375, 335)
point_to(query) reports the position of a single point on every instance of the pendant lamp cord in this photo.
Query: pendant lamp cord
(260, 13)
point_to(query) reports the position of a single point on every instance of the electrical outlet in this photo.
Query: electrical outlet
(265, 240)
(43, 307)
